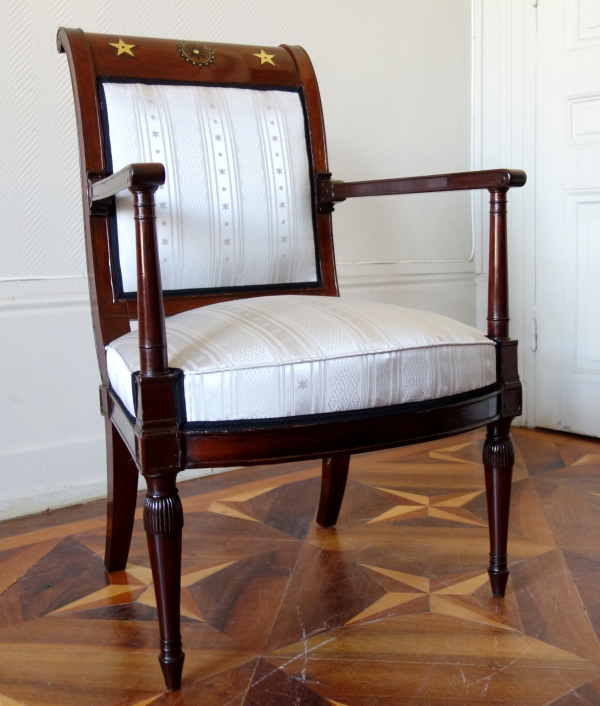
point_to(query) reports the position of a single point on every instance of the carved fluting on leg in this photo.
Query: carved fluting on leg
(498, 460)
(163, 513)
(498, 453)
(333, 485)
(163, 522)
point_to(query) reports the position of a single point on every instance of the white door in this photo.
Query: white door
(568, 216)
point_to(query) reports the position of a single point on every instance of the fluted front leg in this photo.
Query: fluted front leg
(163, 522)
(498, 460)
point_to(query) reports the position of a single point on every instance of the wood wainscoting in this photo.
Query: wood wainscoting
(391, 607)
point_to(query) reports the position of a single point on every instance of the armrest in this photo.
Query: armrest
(330, 192)
(142, 180)
(496, 181)
(134, 177)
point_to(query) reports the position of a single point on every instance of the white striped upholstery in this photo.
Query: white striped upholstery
(236, 206)
(283, 356)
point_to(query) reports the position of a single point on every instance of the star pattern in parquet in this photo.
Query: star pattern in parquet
(392, 606)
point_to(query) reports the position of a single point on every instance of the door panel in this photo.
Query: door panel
(568, 216)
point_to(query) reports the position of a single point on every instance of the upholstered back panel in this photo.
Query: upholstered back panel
(236, 206)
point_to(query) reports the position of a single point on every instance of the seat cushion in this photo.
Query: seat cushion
(282, 356)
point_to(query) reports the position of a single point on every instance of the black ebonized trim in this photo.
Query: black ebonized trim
(407, 407)
(270, 422)
(114, 238)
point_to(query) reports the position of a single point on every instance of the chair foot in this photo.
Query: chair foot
(122, 477)
(333, 485)
(171, 662)
(498, 579)
(163, 522)
(498, 461)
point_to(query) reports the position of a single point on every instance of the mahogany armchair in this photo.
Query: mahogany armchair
(244, 354)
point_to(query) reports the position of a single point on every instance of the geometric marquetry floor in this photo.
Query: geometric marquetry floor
(390, 607)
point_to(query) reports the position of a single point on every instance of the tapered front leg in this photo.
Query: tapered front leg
(163, 522)
(498, 460)
(333, 485)
(122, 494)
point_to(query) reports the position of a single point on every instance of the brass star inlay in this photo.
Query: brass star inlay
(265, 58)
(122, 47)
(442, 507)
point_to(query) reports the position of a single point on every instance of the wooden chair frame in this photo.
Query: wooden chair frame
(154, 443)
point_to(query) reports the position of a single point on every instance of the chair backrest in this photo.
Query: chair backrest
(240, 132)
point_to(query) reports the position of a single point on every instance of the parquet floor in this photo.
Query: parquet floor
(392, 607)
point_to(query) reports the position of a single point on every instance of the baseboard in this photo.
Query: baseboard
(55, 476)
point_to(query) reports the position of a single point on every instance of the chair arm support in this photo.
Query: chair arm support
(133, 177)
(496, 181)
(142, 180)
(330, 192)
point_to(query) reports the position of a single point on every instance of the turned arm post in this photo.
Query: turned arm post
(142, 180)
(497, 318)
(498, 451)
(151, 315)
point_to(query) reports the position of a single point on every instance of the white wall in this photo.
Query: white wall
(504, 66)
(395, 79)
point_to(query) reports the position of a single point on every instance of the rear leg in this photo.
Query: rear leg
(122, 495)
(333, 485)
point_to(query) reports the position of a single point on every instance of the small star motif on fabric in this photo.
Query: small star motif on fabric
(150, 100)
(212, 106)
(302, 385)
(282, 204)
(218, 138)
(275, 138)
(269, 107)
(162, 204)
(154, 133)
(226, 207)
(227, 241)
(221, 172)
(284, 238)
(165, 241)
(279, 170)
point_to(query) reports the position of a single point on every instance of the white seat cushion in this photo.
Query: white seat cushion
(282, 356)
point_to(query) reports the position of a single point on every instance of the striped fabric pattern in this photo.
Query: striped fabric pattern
(236, 206)
(290, 355)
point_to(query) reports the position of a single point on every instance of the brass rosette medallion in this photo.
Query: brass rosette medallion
(196, 53)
